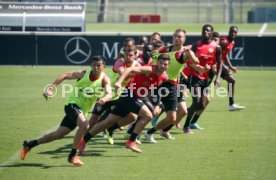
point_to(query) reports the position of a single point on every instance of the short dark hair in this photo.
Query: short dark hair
(208, 25)
(233, 27)
(157, 44)
(215, 35)
(143, 40)
(164, 57)
(98, 58)
(129, 39)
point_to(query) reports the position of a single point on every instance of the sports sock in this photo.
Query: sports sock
(72, 154)
(32, 144)
(231, 101)
(132, 127)
(113, 128)
(133, 137)
(195, 118)
(87, 137)
(168, 128)
(151, 131)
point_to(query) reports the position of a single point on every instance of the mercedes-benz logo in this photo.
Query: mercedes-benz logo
(77, 50)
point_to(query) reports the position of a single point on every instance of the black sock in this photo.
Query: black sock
(195, 118)
(168, 128)
(133, 137)
(87, 137)
(187, 122)
(72, 154)
(231, 101)
(113, 128)
(151, 131)
(32, 144)
(130, 130)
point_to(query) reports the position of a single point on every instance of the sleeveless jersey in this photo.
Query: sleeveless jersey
(227, 48)
(206, 54)
(114, 77)
(86, 92)
(142, 82)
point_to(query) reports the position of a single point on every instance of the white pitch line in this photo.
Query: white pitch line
(15, 157)
(262, 30)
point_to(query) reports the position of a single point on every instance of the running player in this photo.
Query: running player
(208, 54)
(227, 43)
(90, 87)
(178, 55)
(130, 101)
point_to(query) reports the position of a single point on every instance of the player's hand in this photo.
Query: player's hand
(117, 85)
(49, 92)
(234, 69)
(207, 68)
(101, 101)
(217, 82)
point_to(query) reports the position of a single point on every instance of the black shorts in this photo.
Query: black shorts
(72, 112)
(184, 82)
(181, 97)
(211, 76)
(127, 103)
(168, 95)
(196, 82)
(99, 110)
(225, 73)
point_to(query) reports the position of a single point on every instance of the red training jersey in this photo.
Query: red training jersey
(206, 54)
(141, 83)
(227, 47)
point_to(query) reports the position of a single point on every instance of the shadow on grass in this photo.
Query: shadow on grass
(37, 165)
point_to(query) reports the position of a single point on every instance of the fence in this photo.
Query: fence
(173, 11)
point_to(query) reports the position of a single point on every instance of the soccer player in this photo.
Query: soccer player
(211, 73)
(130, 101)
(91, 86)
(208, 54)
(120, 65)
(227, 43)
(178, 55)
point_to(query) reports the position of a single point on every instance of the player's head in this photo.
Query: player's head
(157, 44)
(97, 64)
(163, 62)
(207, 31)
(130, 54)
(155, 36)
(179, 37)
(233, 31)
(143, 40)
(147, 52)
(216, 37)
(128, 42)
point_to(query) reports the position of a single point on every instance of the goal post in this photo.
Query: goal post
(49, 17)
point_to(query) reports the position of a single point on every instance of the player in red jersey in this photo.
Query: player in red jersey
(208, 54)
(212, 72)
(130, 100)
(175, 106)
(227, 43)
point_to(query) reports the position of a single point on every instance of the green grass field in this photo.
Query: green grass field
(171, 27)
(233, 145)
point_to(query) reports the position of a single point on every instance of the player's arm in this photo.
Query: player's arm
(133, 70)
(108, 90)
(219, 65)
(227, 59)
(69, 75)
(190, 54)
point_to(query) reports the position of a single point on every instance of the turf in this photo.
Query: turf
(171, 27)
(233, 145)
